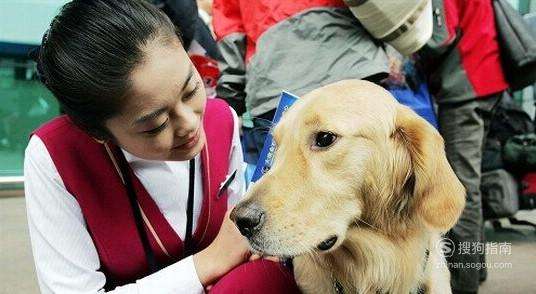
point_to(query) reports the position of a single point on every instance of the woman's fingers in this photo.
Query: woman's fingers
(254, 257)
(272, 258)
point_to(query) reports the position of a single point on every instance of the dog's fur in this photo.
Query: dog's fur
(384, 188)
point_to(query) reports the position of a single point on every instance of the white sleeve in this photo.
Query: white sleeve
(237, 188)
(65, 257)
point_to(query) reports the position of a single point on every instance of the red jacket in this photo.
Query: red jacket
(462, 58)
(90, 175)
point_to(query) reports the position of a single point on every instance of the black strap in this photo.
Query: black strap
(190, 209)
(151, 260)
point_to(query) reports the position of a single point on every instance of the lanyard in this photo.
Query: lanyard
(123, 170)
(151, 260)
(189, 210)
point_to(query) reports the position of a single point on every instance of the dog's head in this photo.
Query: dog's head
(348, 154)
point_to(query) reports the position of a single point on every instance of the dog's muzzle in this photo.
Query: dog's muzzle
(248, 217)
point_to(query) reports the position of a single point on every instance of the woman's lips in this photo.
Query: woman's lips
(191, 142)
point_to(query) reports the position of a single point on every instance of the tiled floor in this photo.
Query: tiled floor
(17, 274)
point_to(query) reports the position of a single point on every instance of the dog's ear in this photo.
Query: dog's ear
(438, 195)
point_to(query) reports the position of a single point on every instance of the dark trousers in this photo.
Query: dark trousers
(464, 127)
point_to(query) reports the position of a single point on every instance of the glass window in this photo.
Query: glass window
(24, 102)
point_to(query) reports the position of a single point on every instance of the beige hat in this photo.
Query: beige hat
(404, 24)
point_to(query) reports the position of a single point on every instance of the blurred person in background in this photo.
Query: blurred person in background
(466, 78)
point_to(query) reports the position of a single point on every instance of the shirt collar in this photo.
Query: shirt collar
(130, 157)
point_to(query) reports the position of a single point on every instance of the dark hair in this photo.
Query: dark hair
(88, 53)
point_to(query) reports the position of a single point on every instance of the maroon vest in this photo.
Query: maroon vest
(90, 175)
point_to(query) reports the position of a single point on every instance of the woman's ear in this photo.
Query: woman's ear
(438, 195)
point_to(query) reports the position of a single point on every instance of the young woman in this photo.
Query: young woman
(128, 192)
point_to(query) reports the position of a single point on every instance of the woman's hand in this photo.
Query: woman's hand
(228, 250)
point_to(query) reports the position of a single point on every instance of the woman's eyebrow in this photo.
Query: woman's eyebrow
(150, 116)
(188, 78)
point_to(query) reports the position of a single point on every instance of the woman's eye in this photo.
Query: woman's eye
(157, 129)
(324, 139)
(192, 93)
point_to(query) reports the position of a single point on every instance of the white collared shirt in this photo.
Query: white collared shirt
(65, 257)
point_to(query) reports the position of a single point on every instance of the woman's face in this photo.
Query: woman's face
(163, 115)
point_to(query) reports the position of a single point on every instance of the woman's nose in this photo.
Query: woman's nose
(186, 121)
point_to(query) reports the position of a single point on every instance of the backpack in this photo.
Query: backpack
(517, 42)
(500, 196)
(508, 120)
(519, 153)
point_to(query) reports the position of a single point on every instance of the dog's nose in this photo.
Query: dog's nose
(248, 217)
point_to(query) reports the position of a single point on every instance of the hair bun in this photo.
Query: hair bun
(35, 55)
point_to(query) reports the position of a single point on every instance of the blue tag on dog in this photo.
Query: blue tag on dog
(267, 154)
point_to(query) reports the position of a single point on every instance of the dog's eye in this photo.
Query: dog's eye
(324, 139)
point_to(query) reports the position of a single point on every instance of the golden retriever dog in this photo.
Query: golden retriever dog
(359, 194)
